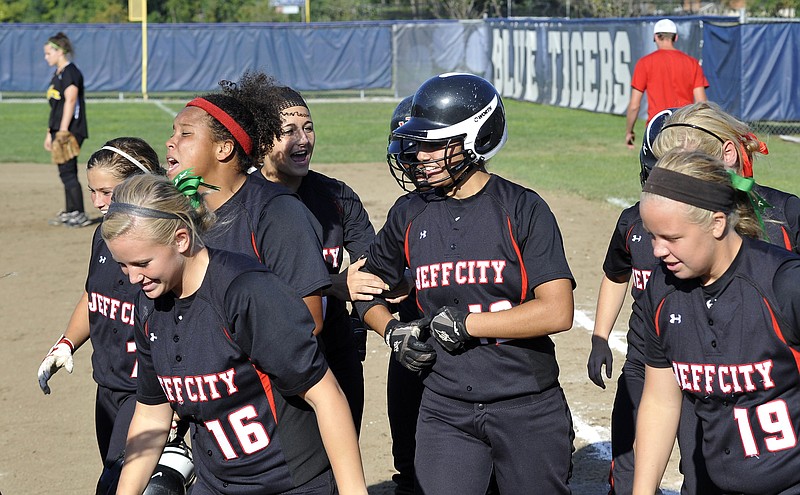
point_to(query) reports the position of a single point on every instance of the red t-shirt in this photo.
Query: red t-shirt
(669, 78)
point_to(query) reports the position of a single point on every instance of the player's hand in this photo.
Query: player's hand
(363, 286)
(60, 356)
(407, 349)
(630, 138)
(48, 141)
(600, 356)
(449, 328)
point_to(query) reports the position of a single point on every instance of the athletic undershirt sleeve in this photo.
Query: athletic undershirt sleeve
(274, 327)
(288, 237)
(385, 256)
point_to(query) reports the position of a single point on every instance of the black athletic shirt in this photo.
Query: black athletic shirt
(266, 221)
(231, 359)
(484, 253)
(70, 76)
(737, 362)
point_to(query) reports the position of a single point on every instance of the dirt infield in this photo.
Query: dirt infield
(47, 443)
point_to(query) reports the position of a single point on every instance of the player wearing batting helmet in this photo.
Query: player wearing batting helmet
(492, 283)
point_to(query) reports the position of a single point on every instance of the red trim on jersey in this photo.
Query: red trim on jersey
(522, 271)
(265, 382)
(627, 236)
(408, 260)
(658, 315)
(255, 246)
(787, 243)
(405, 245)
(611, 481)
(263, 378)
(779, 333)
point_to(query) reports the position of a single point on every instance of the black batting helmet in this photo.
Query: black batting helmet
(451, 108)
(647, 160)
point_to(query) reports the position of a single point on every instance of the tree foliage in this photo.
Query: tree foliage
(180, 11)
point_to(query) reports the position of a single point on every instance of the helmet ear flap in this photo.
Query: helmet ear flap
(647, 159)
(492, 134)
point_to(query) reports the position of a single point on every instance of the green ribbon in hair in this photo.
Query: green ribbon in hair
(745, 184)
(189, 184)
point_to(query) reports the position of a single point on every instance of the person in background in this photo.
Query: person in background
(66, 127)
(670, 77)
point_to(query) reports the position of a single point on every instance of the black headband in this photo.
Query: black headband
(140, 211)
(693, 126)
(290, 98)
(680, 187)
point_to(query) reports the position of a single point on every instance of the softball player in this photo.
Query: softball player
(706, 127)
(722, 331)
(493, 283)
(216, 137)
(229, 347)
(345, 223)
(105, 311)
(67, 122)
(403, 386)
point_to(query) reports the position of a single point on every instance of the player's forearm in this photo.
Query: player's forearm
(550, 312)
(147, 435)
(78, 327)
(630, 119)
(314, 304)
(338, 435)
(377, 317)
(656, 428)
(609, 303)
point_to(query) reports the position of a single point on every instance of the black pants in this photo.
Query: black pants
(73, 192)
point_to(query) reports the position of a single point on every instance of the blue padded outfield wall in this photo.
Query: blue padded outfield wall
(753, 69)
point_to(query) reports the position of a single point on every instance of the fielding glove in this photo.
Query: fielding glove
(60, 356)
(64, 148)
(449, 328)
(600, 356)
(407, 349)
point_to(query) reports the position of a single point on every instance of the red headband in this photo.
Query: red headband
(226, 120)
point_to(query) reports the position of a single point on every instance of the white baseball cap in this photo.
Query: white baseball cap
(665, 26)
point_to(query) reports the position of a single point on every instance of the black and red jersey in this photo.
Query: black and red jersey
(483, 253)
(231, 359)
(266, 221)
(112, 306)
(733, 347)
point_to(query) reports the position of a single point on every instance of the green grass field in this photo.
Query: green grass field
(549, 148)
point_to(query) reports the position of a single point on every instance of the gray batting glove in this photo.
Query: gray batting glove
(449, 328)
(60, 356)
(407, 349)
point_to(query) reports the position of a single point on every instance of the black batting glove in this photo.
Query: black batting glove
(449, 328)
(600, 356)
(407, 349)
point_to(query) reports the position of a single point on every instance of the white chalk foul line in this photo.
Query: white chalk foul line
(598, 438)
